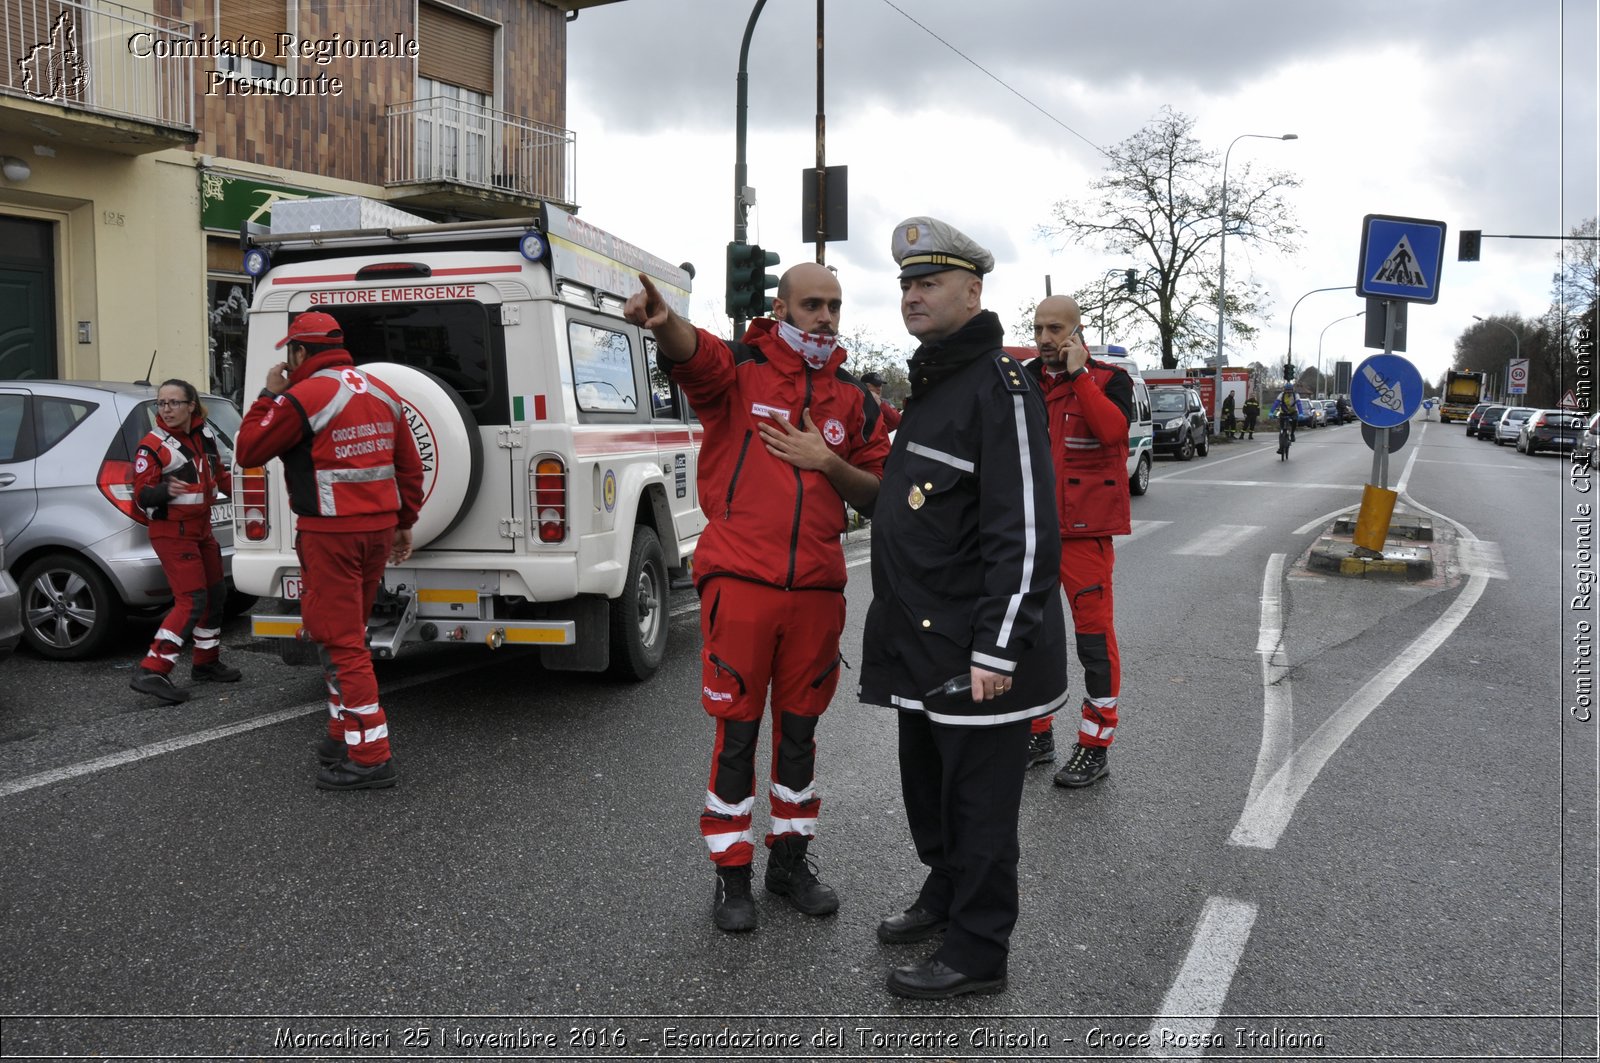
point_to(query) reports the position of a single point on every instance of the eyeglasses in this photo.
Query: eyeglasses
(173, 404)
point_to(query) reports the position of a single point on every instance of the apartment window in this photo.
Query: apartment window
(258, 22)
(455, 97)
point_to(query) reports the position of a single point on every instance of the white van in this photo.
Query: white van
(1141, 429)
(559, 463)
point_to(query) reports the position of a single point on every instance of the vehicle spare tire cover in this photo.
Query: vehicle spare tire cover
(446, 435)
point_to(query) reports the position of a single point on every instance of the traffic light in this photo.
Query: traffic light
(1288, 370)
(1131, 280)
(1471, 242)
(748, 281)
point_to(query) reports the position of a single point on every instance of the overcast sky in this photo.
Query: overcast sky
(1477, 113)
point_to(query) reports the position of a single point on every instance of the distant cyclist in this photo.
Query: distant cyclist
(1287, 409)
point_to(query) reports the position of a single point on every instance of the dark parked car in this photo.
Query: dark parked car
(1476, 417)
(1550, 430)
(1488, 421)
(1584, 451)
(1181, 427)
(80, 559)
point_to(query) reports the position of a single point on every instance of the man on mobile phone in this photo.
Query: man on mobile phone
(1090, 405)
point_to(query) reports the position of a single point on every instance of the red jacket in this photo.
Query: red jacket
(891, 416)
(1089, 418)
(348, 454)
(176, 478)
(769, 521)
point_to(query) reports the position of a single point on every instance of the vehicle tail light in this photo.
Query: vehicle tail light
(251, 510)
(549, 497)
(116, 483)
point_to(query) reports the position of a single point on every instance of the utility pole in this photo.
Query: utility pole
(822, 153)
(742, 193)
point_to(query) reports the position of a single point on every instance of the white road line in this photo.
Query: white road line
(1218, 540)
(1479, 557)
(172, 745)
(1212, 463)
(1473, 464)
(1142, 528)
(1405, 477)
(1277, 484)
(1267, 814)
(1189, 1010)
(1277, 696)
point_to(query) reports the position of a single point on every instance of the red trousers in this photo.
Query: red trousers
(340, 576)
(193, 569)
(755, 637)
(1086, 566)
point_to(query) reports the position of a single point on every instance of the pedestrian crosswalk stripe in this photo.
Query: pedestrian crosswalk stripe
(1400, 267)
(1143, 527)
(1214, 542)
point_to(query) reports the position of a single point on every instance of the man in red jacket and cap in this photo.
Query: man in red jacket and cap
(355, 485)
(790, 438)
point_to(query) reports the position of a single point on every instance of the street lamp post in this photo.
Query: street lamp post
(1515, 335)
(1222, 266)
(1322, 378)
(1289, 358)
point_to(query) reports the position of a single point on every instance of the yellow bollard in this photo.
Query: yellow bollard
(1372, 523)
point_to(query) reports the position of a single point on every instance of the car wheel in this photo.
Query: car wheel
(1530, 448)
(68, 608)
(238, 603)
(1139, 482)
(639, 618)
(1203, 447)
(1186, 449)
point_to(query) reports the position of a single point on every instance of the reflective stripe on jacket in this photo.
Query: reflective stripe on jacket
(165, 461)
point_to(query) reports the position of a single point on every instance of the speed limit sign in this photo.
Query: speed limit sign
(1517, 377)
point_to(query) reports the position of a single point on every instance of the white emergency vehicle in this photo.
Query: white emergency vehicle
(559, 462)
(1141, 429)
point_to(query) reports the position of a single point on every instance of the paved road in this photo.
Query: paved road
(1345, 818)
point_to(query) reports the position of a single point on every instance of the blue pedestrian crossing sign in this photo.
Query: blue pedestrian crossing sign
(1400, 258)
(1385, 390)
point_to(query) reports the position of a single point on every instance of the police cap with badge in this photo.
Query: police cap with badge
(925, 245)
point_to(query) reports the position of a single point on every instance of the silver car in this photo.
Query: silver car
(10, 607)
(80, 559)
(1510, 424)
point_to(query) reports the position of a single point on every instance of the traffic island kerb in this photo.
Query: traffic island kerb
(1397, 561)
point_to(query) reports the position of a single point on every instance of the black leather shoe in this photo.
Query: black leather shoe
(913, 924)
(348, 775)
(216, 672)
(932, 980)
(158, 685)
(1087, 765)
(330, 750)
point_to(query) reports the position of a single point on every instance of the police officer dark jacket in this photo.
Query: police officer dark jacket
(946, 597)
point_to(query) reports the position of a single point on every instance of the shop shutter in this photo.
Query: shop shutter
(455, 49)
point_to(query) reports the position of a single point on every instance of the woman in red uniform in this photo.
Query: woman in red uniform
(178, 472)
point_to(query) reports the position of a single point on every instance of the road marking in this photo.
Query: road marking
(1142, 528)
(1266, 815)
(1218, 540)
(1473, 464)
(1213, 463)
(1189, 1010)
(172, 745)
(1405, 475)
(1277, 696)
(1279, 484)
(1479, 557)
(1317, 522)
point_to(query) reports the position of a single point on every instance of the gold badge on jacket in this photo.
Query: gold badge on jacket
(916, 497)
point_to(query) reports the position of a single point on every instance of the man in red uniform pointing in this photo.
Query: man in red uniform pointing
(790, 438)
(355, 485)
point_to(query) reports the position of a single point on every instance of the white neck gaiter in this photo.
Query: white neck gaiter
(815, 347)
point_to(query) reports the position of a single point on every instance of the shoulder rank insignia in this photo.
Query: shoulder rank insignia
(1011, 373)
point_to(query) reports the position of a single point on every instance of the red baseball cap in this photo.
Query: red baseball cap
(313, 327)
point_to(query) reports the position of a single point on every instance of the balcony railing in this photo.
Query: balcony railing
(455, 142)
(101, 57)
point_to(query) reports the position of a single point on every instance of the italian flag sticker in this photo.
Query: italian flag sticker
(527, 408)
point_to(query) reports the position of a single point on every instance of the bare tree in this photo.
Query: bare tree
(1160, 203)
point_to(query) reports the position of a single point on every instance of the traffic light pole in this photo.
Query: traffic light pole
(741, 174)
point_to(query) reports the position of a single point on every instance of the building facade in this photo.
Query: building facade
(135, 141)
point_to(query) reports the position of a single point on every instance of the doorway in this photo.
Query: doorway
(27, 299)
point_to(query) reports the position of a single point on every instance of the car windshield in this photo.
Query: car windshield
(1167, 401)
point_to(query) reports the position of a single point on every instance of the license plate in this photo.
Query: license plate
(222, 513)
(291, 588)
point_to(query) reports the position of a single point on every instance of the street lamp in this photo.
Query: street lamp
(1289, 358)
(1222, 264)
(1322, 378)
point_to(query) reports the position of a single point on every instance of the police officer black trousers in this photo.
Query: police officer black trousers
(979, 771)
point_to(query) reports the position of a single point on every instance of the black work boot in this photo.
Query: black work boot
(791, 874)
(154, 683)
(330, 750)
(348, 775)
(216, 672)
(733, 908)
(1042, 748)
(1086, 766)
